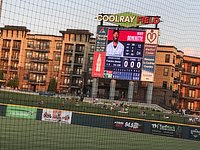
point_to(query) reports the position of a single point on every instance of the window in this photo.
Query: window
(66, 81)
(166, 71)
(58, 46)
(174, 58)
(6, 43)
(192, 93)
(193, 81)
(172, 73)
(194, 69)
(90, 70)
(79, 48)
(17, 44)
(28, 54)
(167, 58)
(164, 86)
(30, 44)
(57, 57)
(67, 70)
(190, 105)
(91, 60)
(42, 45)
(78, 71)
(27, 66)
(92, 48)
(69, 47)
(56, 68)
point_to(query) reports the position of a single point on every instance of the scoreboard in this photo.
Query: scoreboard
(135, 59)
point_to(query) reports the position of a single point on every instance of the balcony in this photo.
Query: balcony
(5, 68)
(13, 69)
(177, 80)
(78, 52)
(76, 75)
(38, 49)
(32, 81)
(64, 85)
(40, 60)
(15, 58)
(67, 63)
(4, 58)
(65, 74)
(76, 86)
(37, 71)
(67, 51)
(178, 67)
(78, 64)
(6, 48)
(16, 48)
(191, 73)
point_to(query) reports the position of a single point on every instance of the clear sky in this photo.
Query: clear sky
(180, 26)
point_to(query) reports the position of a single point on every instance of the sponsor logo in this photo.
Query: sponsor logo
(119, 124)
(132, 125)
(195, 133)
(163, 127)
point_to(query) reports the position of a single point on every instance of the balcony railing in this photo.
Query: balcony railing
(41, 82)
(40, 59)
(37, 71)
(15, 58)
(5, 47)
(16, 48)
(4, 58)
(13, 69)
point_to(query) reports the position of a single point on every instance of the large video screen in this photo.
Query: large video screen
(126, 54)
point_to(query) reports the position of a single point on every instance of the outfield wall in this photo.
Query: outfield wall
(103, 121)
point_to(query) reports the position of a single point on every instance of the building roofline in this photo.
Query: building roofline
(191, 56)
(76, 31)
(180, 51)
(18, 28)
(44, 35)
(171, 46)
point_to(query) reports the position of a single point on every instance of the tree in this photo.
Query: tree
(1, 78)
(14, 83)
(52, 85)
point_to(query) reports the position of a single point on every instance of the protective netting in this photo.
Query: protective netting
(32, 118)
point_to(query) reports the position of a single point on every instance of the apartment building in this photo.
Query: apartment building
(167, 76)
(190, 88)
(36, 58)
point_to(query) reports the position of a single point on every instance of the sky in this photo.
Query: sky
(180, 24)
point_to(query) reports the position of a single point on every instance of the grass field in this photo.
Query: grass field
(25, 134)
(56, 103)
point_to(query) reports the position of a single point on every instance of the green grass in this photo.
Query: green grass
(56, 103)
(39, 135)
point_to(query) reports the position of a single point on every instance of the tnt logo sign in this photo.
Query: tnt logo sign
(151, 36)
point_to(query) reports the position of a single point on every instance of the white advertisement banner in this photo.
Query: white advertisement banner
(56, 116)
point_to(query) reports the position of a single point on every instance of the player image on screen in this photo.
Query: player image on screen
(115, 48)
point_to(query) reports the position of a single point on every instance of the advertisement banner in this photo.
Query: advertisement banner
(128, 19)
(148, 67)
(128, 125)
(56, 116)
(151, 36)
(166, 130)
(101, 38)
(98, 64)
(194, 133)
(21, 112)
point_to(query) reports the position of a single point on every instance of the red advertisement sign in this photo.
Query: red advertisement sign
(128, 36)
(98, 64)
